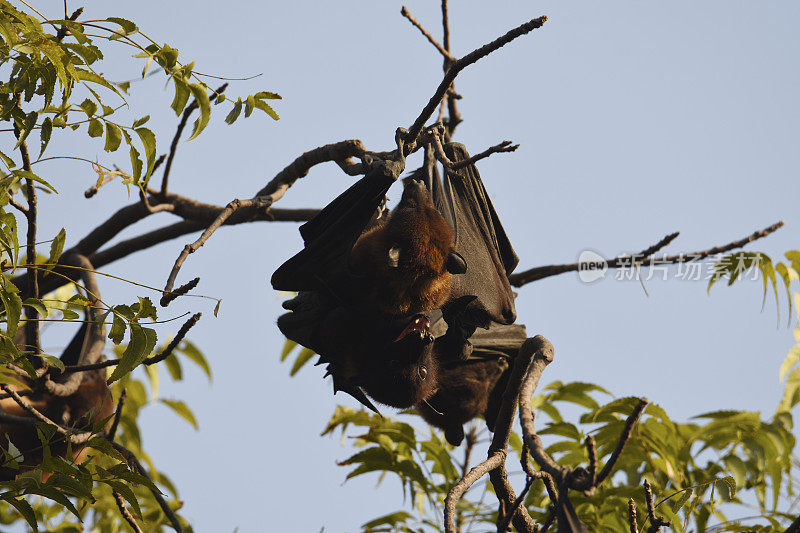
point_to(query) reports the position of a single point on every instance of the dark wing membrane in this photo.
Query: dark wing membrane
(329, 237)
(484, 289)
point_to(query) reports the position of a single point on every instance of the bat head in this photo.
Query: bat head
(404, 371)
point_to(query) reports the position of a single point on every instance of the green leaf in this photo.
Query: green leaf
(265, 107)
(149, 141)
(127, 26)
(85, 75)
(288, 346)
(36, 304)
(264, 95)
(173, 367)
(56, 247)
(117, 332)
(136, 164)
(678, 505)
(181, 96)
(141, 121)
(203, 102)
(142, 342)
(789, 361)
(89, 107)
(44, 135)
(249, 105)
(26, 127)
(33, 177)
(183, 410)
(95, 128)
(234, 114)
(192, 352)
(24, 509)
(302, 358)
(12, 303)
(113, 137)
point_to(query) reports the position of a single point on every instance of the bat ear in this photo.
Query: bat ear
(394, 256)
(456, 264)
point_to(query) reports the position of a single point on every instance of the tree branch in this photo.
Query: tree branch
(176, 139)
(623, 440)
(125, 513)
(459, 65)
(424, 32)
(534, 274)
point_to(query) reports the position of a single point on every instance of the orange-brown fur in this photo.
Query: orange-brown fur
(91, 403)
(420, 282)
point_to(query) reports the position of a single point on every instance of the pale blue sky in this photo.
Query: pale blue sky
(635, 120)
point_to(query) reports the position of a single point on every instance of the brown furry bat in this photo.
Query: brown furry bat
(466, 390)
(407, 262)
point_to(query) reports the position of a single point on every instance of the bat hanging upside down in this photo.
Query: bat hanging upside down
(406, 263)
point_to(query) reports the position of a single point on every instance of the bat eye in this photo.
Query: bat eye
(423, 373)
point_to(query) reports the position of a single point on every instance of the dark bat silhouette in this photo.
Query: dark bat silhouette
(473, 387)
(483, 295)
(383, 348)
(361, 304)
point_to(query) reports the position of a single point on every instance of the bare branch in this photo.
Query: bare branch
(258, 203)
(176, 139)
(123, 510)
(632, 516)
(180, 291)
(521, 278)
(424, 32)
(623, 439)
(74, 438)
(592, 453)
(459, 65)
(504, 146)
(656, 522)
(502, 525)
(112, 431)
(32, 290)
(498, 450)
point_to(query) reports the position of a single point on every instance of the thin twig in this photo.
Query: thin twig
(231, 208)
(459, 65)
(176, 139)
(123, 510)
(180, 291)
(62, 31)
(31, 314)
(504, 146)
(134, 462)
(537, 273)
(591, 452)
(623, 440)
(503, 524)
(424, 32)
(163, 354)
(74, 438)
(112, 431)
(634, 527)
(656, 522)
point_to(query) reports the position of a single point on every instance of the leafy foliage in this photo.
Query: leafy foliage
(705, 473)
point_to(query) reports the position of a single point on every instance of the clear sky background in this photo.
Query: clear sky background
(635, 120)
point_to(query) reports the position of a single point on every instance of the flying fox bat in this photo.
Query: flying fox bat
(406, 263)
(473, 387)
(336, 314)
(88, 404)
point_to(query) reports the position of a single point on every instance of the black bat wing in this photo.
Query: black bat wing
(328, 238)
(483, 294)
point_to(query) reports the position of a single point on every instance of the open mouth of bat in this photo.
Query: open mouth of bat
(419, 326)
